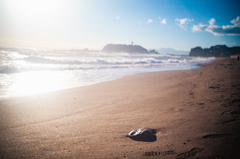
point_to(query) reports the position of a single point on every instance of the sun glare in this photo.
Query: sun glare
(34, 10)
(29, 83)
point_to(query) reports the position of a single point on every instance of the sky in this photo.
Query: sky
(153, 24)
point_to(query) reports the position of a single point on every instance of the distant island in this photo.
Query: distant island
(126, 48)
(215, 51)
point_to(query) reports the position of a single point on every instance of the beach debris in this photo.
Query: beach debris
(143, 134)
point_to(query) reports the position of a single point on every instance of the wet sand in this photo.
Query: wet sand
(195, 112)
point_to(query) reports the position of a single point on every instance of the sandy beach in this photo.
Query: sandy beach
(195, 112)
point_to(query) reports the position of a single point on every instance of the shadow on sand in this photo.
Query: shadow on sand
(149, 139)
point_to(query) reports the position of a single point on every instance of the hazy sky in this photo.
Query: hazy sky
(92, 24)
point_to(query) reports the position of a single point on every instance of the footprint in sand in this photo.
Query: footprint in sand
(189, 154)
(162, 153)
(228, 121)
(215, 157)
(235, 112)
(212, 136)
(214, 87)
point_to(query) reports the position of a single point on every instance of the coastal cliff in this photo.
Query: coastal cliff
(215, 51)
(126, 48)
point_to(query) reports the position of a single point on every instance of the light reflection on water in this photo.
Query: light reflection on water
(35, 82)
(26, 72)
(28, 83)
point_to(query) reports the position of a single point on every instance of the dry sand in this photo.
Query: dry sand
(196, 113)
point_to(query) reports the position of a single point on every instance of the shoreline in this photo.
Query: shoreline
(196, 113)
(73, 87)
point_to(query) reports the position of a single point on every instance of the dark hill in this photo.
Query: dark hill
(215, 51)
(126, 48)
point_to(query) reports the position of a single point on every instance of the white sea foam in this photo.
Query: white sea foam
(48, 70)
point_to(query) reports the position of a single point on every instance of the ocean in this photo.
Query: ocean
(32, 71)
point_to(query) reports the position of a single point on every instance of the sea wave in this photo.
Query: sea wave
(14, 62)
(117, 60)
(27, 72)
(9, 69)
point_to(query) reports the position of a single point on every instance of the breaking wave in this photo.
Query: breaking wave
(14, 62)
(25, 72)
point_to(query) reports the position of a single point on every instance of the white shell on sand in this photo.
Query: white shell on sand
(142, 133)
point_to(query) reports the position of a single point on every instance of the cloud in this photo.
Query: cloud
(149, 21)
(159, 17)
(118, 17)
(199, 27)
(164, 21)
(211, 22)
(232, 30)
(183, 22)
